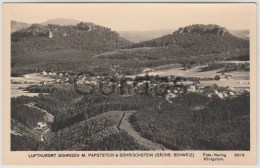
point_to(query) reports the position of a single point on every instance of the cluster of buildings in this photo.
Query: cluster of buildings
(229, 92)
(59, 77)
(221, 95)
(130, 88)
(54, 74)
(43, 126)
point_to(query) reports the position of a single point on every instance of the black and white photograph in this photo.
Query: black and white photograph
(131, 77)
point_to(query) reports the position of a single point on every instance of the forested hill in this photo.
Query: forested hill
(202, 39)
(83, 36)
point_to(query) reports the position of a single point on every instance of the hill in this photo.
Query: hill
(206, 39)
(101, 132)
(192, 45)
(16, 26)
(81, 36)
(87, 46)
(41, 44)
(139, 36)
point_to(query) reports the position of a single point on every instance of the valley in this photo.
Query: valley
(84, 87)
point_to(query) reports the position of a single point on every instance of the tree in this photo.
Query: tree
(217, 77)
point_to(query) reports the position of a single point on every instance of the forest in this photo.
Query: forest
(193, 121)
(187, 124)
(81, 49)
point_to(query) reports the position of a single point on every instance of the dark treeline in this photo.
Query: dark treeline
(24, 143)
(226, 66)
(201, 123)
(41, 88)
(192, 121)
(24, 114)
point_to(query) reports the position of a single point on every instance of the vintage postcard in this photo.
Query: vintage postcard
(129, 83)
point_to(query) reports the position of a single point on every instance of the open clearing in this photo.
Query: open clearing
(18, 84)
(239, 78)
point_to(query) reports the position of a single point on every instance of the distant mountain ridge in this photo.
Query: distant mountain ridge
(140, 36)
(90, 46)
(16, 26)
(134, 36)
(244, 34)
(62, 22)
(82, 36)
(44, 44)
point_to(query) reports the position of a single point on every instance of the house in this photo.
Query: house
(64, 34)
(80, 81)
(50, 73)
(169, 96)
(225, 94)
(26, 76)
(41, 124)
(58, 80)
(232, 93)
(228, 76)
(209, 96)
(223, 79)
(148, 70)
(220, 95)
(50, 34)
(44, 73)
(60, 74)
(192, 88)
(87, 82)
(42, 138)
(110, 83)
(16, 133)
(247, 90)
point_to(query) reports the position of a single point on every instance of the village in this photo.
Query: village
(130, 85)
(147, 84)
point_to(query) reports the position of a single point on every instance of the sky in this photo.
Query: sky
(138, 16)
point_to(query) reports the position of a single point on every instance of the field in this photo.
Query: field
(239, 79)
(19, 84)
(18, 90)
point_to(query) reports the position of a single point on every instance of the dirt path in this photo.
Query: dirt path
(126, 125)
(48, 117)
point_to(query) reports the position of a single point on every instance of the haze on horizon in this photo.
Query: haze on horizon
(139, 17)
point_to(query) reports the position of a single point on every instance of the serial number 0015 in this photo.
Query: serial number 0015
(239, 155)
